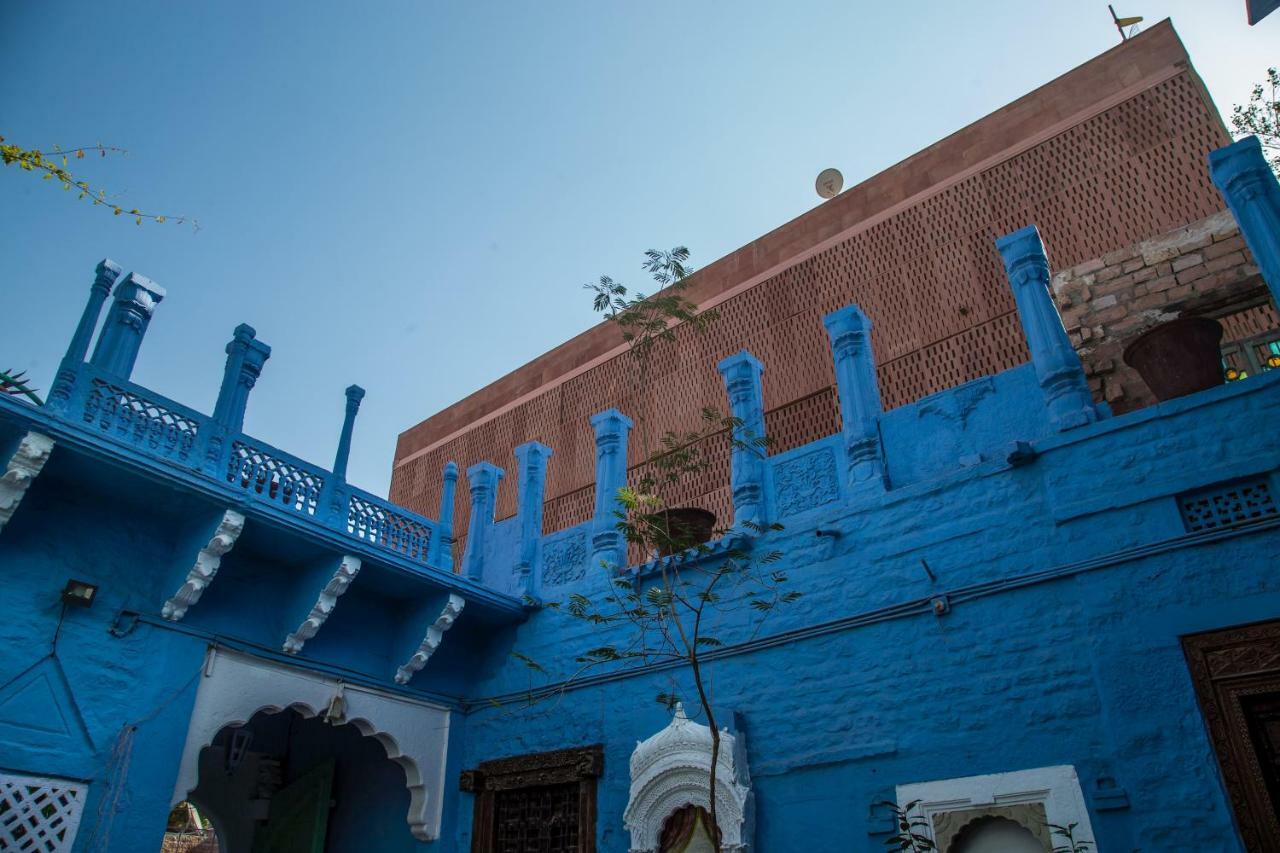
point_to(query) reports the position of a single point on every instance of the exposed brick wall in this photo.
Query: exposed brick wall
(1110, 153)
(1200, 269)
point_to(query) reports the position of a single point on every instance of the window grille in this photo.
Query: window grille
(39, 813)
(1224, 505)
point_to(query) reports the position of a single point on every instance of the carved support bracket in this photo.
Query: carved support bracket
(612, 428)
(1241, 173)
(1058, 368)
(452, 609)
(531, 460)
(206, 566)
(483, 478)
(859, 390)
(749, 468)
(24, 466)
(327, 600)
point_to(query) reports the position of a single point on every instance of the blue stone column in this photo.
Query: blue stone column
(1241, 173)
(484, 478)
(104, 278)
(246, 356)
(444, 544)
(354, 395)
(1066, 393)
(859, 391)
(749, 473)
(531, 458)
(127, 320)
(612, 429)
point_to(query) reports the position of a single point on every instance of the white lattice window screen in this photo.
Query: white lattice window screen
(38, 813)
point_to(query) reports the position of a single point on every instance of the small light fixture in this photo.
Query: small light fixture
(1273, 361)
(1232, 374)
(79, 593)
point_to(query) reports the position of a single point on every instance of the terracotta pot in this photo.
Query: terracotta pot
(688, 526)
(1179, 357)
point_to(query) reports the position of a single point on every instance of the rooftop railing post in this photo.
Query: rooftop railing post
(103, 279)
(483, 478)
(1241, 173)
(608, 545)
(127, 320)
(246, 356)
(850, 332)
(1057, 366)
(354, 395)
(444, 542)
(749, 461)
(531, 459)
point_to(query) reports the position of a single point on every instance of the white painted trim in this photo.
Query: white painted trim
(415, 734)
(1058, 788)
(23, 467)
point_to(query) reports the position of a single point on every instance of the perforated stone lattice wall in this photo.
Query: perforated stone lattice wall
(39, 813)
(928, 275)
(1220, 506)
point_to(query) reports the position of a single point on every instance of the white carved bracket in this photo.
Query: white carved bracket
(337, 585)
(414, 734)
(24, 466)
(206, 566)
(431, 641)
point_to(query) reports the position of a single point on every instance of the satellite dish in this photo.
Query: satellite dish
(829, 183)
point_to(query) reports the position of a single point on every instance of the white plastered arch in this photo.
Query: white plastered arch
(414, 734)
(672, 769)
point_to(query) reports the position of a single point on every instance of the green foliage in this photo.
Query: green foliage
(1261, 117)
(54, 166)
(1068, 833)
(912, 830)
(15, 384)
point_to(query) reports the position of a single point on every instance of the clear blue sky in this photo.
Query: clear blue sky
(408, 195)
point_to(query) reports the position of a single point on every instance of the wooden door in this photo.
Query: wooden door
(1236, 674)
(299, 815)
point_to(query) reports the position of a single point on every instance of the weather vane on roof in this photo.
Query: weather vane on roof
(1121, 23)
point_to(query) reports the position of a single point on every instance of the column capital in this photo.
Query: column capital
(741, 363)
(610, 421)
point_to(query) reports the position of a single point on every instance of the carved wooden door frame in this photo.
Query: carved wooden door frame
(1228, 666)
(581, 766)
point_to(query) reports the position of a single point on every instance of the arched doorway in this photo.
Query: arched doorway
(189, 831)
(996, 835)
(687, 830)
(285, 782)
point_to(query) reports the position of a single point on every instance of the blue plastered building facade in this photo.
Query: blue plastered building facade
(1015, 609)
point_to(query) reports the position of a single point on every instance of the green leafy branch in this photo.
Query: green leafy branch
(55, 166)
(15, 384)
(1261, 117)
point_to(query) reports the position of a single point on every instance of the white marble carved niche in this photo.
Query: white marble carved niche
(672, 769)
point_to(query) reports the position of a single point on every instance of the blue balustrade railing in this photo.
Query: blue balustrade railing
(138, 417)
(107, 406)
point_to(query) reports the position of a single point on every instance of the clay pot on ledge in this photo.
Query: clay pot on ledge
(687, 526)
(1179, 357)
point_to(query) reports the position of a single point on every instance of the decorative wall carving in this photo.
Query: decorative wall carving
(672, 769)
(414, 734)
(806, 481)
(337, 585)
(206, 566)
(504, 786)
(452, 608)
(24, 466)
(565, 558)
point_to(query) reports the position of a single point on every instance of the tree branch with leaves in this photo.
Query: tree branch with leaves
(1260, 117)
(56, 166)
